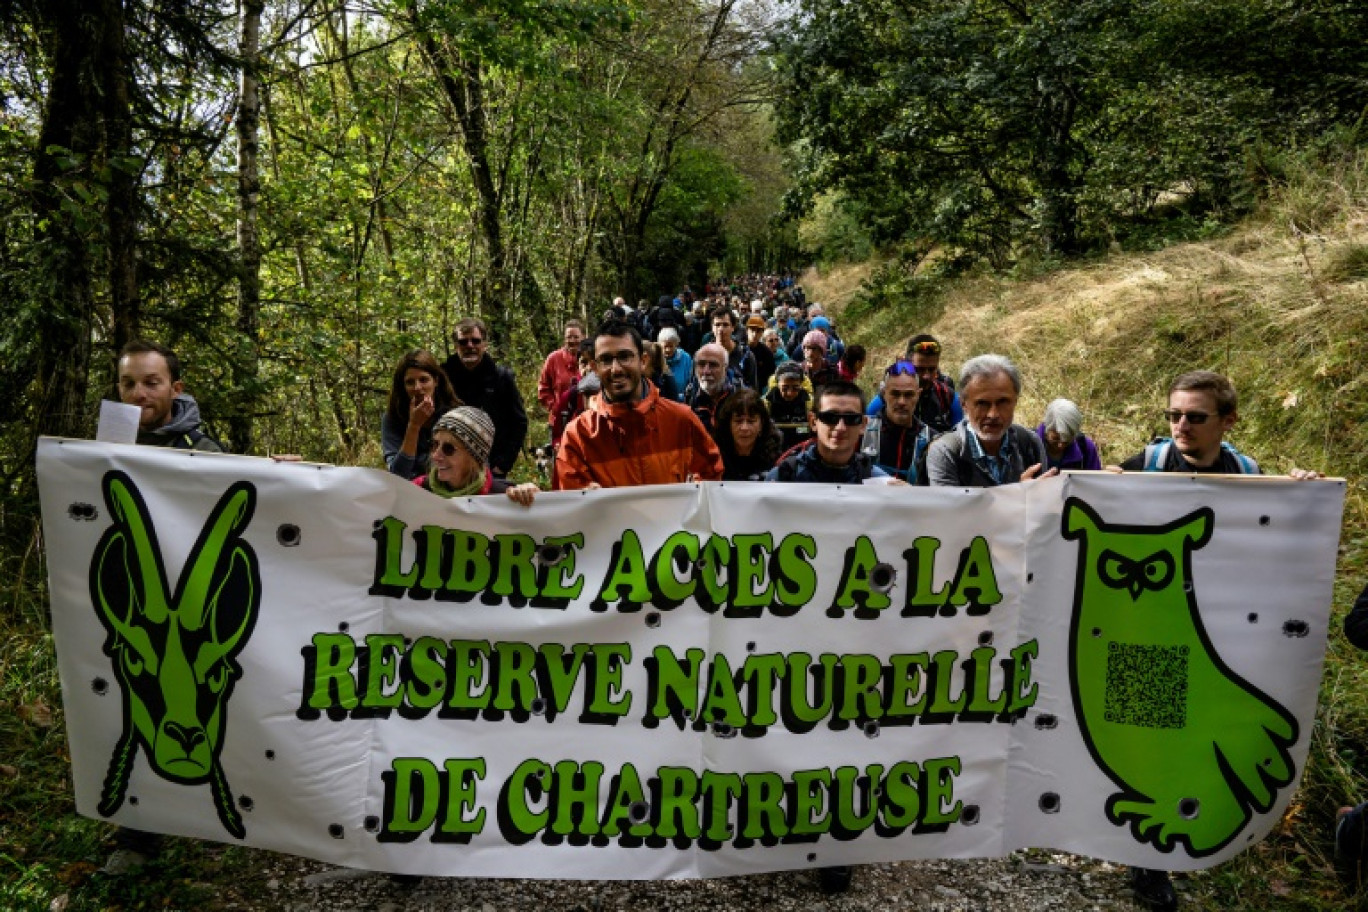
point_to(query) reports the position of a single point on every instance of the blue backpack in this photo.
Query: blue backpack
(1156, 455)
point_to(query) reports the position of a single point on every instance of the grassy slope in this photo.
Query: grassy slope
(1281, 306)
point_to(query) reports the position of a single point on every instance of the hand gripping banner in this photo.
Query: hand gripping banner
(687, 680)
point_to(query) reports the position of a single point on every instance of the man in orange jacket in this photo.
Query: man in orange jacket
(632, 435)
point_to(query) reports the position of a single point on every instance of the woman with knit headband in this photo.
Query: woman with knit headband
(459, 466)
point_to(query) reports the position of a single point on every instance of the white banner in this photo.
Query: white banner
(688, 680)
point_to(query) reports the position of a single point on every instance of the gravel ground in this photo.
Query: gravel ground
(1046, 881)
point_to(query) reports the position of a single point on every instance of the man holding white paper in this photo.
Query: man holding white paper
(149, 378)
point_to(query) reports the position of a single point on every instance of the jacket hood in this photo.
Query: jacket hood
(185, 417)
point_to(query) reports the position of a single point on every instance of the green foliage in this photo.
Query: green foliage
(1052, 126)
(833, 233)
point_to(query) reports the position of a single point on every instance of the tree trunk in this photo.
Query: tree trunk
(121, 214)
(246, 364)
(67, 143)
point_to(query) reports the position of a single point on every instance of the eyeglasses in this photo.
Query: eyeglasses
(902, 369)
(469, 342)
(447, 449)
(831, 419)
(1174, 416)
(927, 348)
(624, 357)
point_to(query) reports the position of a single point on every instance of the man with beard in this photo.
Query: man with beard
(631, 435)
(986, 448)
(711, 383)
(489, 387)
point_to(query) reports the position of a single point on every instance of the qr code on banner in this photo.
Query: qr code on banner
(1147, 685)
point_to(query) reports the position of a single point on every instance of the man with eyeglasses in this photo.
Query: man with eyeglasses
(833, 456)
(710, 385)
(1201, 410)
(631, 435)
(490, 387)
(987, 448)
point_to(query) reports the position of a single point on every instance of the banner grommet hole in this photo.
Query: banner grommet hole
(970, 815)
(289, 535)
(1297, 629)
(100, 686)
(335, 830)
(1189, 808)
(372, 824)
(1047, 722)
(1049, 803)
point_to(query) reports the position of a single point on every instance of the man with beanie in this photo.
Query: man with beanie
(788, 401)
(819, 371)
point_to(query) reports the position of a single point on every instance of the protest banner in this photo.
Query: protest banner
(686, 680)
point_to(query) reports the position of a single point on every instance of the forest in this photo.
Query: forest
(292, 193)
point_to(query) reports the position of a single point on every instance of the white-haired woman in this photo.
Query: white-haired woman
(1065, 443)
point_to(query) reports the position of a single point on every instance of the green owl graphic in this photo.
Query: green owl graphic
(1192, 746)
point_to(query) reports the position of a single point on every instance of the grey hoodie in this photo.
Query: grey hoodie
(182, 429)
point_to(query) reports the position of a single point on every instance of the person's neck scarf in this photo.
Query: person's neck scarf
(441, 488)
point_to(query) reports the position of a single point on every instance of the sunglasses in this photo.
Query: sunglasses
(446, 449)
(1174, 416)
(927, 348)
(470, 343)
(902, 369)
(831, 419)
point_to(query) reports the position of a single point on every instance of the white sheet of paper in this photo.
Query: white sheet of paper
(118, 422)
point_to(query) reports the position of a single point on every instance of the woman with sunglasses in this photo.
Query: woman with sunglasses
(460, 459)
(419, 392)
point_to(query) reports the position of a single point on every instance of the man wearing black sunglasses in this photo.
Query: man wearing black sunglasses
(833, 455)
(490, 387)
(1201, 410)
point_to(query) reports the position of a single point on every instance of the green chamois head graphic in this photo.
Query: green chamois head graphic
(1192, 745)
(175, 655)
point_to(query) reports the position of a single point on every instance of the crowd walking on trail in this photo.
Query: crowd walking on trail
(745, 381)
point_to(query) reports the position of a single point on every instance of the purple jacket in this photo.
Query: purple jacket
(1081, 454)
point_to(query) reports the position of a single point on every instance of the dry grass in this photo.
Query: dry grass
(1281, 306)
(834, 286)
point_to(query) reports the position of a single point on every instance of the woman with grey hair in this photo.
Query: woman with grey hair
(1065, 443)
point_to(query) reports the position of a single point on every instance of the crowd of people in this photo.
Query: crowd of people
(745, 381)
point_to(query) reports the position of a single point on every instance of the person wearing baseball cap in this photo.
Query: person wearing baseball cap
(764, 358)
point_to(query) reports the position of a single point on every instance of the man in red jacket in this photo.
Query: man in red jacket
(632, 435)
(561, 370)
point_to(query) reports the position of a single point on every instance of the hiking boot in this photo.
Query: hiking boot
(835, 880)
(1153, 889)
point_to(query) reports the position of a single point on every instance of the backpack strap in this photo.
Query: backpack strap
(1156, 454)
(1247, 466)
